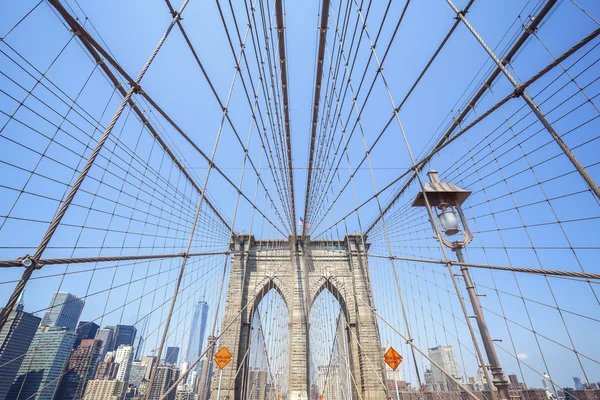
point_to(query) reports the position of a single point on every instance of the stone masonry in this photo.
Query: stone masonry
(300, 273)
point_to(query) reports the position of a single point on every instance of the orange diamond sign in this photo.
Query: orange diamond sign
(392, 358)
(223, 357)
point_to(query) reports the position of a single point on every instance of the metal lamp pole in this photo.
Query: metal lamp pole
(447, 197)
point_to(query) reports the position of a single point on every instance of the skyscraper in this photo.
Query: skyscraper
(81, 369)
(446, 358)
(85, 330)
(197, 331)
(64, 311)
(44, 362)
(123, 335)
(106, 335)
(577, 382)
(124, 357)
(172, 355)
(166, 375)
(15, 338)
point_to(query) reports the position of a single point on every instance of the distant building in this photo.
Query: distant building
(197, 331)
(185, 394)
(124, 335)
(43, 364)
(257, 384)
(106, 335)
(429, 381)
(104, 390)
(166, 375)
(85, 330)
(64, 311)
(207, 370)
(80, 369)
(172, 355)
(329, 381)
(124, 357)
(15, 337)
(445, 357)
(577, 382)
(108, 368)
(137, 373)
(149, 362)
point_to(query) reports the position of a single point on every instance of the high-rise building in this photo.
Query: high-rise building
(166, 375)
(64, 311)
(124, 335)
(172, 355)
(15, 337)
(137, 374)
(85, 330)
(149, 362)
(108, 368)
(140, 346)
(124, 357)
(197, 331)
(104, 389)
(207, 369)
(106, 335)
(445, 357)
(43, 364)
(328, 381)
(80, 370)
(577, 382)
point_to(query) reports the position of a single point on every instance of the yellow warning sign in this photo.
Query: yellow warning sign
(223, 357)
(321, 397)
(392, 358)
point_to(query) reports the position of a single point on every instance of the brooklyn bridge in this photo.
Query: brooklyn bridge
(329, 199)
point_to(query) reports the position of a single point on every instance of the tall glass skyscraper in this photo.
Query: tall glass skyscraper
(65, 310)
(42, 365)
(123, 335)
(197, 331)
(15, 338)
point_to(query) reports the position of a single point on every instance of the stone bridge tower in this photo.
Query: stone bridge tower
(299, 273)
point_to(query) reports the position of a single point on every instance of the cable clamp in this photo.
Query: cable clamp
(519, 91)
(460, 13)
(29, 262)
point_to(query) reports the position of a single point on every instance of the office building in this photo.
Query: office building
(85, 330)
(103, 389)
(328, 381)
(445, 357)
(15, 337)
(124, 357)
(64, 311)
(172, 355)
(124, 335)
(43, 364)
(108, 368)
(166, 375)
(207, 370)
(197, 332)
(149, 362)
(185, 394)
(137, 373)
(106, 336)
(80, 370)
(577, 382)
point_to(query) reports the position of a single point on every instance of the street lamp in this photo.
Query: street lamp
(447, 198)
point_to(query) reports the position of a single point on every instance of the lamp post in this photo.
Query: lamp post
(448, 198)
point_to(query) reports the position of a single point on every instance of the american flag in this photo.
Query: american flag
(302, 223)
